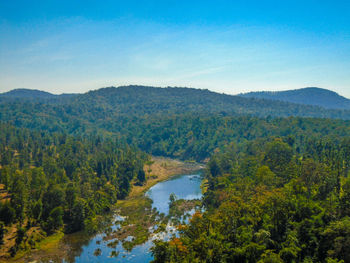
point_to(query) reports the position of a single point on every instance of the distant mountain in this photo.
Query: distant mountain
(155, 118)
(32, 94)
(140, 100)
(27, 93)
(172, 121)
(309, 96)
(105, 106)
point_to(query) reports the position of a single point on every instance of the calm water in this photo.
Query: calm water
(183, 186)
(139, 254)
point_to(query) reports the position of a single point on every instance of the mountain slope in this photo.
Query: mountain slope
(176, 122)
(140, 100)
(309, 96)
(108, 104)
(32, 94)
(27, 93)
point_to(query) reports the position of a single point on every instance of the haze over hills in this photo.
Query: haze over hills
(309, 96)
(124, 94)
(140, 100)
(32, 94)
(162, 121)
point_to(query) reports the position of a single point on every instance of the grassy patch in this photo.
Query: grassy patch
(51, 242)
(34, 239)
(161, 169)
(139, 218)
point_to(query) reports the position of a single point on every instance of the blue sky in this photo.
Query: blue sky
(224, 46)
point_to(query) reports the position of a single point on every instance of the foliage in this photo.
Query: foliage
(277, 185)
(284, 209)
(54, 180)
(175, 122)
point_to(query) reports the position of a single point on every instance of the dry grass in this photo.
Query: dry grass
(9, 241)
(161, 169)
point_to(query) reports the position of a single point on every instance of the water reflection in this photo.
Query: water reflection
(82, 247)
(184, 187)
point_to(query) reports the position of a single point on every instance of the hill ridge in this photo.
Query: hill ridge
(308, 96)
(34, 94)
(109, 102)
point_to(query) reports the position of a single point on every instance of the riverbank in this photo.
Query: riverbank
(137, 209)
(160, 169)
(47, 246)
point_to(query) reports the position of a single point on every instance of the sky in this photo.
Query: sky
(224, 46)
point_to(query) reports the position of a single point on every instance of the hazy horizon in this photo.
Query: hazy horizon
(168, 87)
(226, 47)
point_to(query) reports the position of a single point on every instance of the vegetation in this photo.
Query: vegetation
(310, 96)
(139, 219)
(179, 209)
(276, 184)
(57, 182)
(270, 203)
(105, 108)
(174, 122)
(196, 137)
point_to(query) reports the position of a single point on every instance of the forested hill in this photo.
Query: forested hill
(175, 122)
(309, 96)
(277, 188)
(33, 94)
(140, 100)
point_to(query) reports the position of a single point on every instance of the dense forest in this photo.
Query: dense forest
(59, 182)
(270, 203)
(196, 137)
(174, 122)
(276, 182)
(190, 136)
(111, 103)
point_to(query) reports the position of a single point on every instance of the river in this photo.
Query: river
(83, 248)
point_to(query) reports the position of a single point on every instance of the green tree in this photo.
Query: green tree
(70, 195)
(52, 198)
(141, 176)
(76, 221)
(54, 221)
(160, 252)
(7, 213)
(18, 200)
(37, 210)
(214, 168)
(278, 155)
(265, 176)
(345, 198)
(336, 240)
